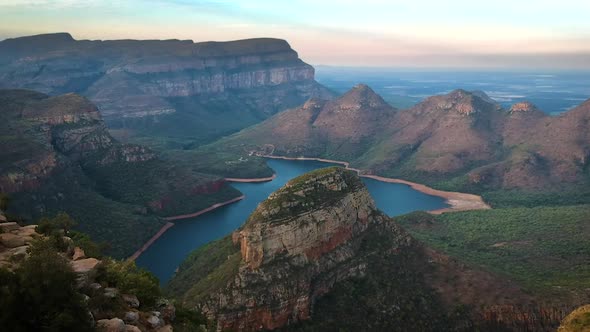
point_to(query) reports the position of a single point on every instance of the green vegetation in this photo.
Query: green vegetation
(577, 321)
(308, 192)
(392, 296)
(40, 295)
(224, 164)
(176, 189)
(545, 249)
(188, 320)
(205, 270)
(129, 279)
(124, 227)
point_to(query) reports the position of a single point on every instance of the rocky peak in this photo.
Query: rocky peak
(361, 96)
(465, 102)
(309, 216)
(523, 107)
(292, 252)
(68, 108)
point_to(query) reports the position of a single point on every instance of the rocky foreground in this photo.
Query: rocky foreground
(15, 243)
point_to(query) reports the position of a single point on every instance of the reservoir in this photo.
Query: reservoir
(165, 255)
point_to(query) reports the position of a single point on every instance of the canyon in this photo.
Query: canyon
(149, 86)
(57, 155)
(320, 236)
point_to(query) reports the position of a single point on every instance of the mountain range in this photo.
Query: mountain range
(462, 139)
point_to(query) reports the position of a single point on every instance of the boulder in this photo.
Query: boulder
(86, 270)
(84, 266)
(132, 328)
(78, 254)
(168, 312)
(131, 317)
(155, 321)
(2, 217)
(10, 240)
(111, 325)
(6, 227)
(95, 286)
(166, 328)
(27, 231)
(111, 292)
(131, 300)
(18, 252)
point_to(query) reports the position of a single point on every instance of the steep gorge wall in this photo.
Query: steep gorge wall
(130, 78)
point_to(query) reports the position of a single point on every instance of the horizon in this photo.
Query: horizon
(455, 35)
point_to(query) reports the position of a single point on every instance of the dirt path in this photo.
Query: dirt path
(457, 201)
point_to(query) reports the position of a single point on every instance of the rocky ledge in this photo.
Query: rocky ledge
(15, 241)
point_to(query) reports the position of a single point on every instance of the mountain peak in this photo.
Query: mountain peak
(306, 193)
(464, 102)
(361, 96)
(523, 107)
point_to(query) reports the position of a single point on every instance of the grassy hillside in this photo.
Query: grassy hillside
(545, 249)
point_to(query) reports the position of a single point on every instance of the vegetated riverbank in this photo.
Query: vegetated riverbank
(457, 201)
(184, 216)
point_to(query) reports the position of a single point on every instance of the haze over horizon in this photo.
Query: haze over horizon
(430, 34)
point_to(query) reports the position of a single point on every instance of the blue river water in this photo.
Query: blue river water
(166, 254)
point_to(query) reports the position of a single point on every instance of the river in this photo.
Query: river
(165, 255)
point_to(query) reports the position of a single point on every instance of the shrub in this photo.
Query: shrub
(130, 279)
(41, 294)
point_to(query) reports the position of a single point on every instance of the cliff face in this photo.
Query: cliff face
(318, 255)
(57, 155)
(294, 248)
(136, 82)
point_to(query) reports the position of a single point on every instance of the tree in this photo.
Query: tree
(41, 294)
(4, 201)
(62, 221)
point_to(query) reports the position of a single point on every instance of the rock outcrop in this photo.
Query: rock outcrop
(138, 83)
(577, 321)
(294, 248)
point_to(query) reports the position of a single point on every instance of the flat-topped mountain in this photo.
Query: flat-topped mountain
(164, 87)
(57, 155)
(318, 255)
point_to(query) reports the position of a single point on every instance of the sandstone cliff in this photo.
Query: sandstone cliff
(294, 248)
(137, 84)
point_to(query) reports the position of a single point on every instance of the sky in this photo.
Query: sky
(385, 33)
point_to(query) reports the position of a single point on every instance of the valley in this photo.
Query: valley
(226, 177)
